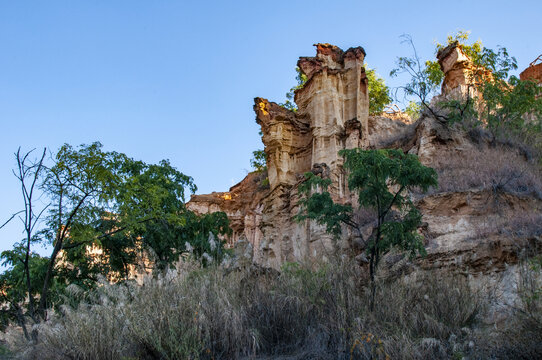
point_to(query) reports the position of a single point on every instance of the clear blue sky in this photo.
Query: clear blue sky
(175, 79)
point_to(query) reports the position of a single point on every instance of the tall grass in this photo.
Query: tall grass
(303, 312)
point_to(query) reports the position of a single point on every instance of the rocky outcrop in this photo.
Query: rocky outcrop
(463, 229)
(456, 66)
(333, 112)
(469, 230)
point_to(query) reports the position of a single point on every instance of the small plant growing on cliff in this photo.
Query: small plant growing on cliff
(259, 160)
(301, 80)
(381, 179)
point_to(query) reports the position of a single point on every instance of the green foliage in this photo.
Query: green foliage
(133, 206)
(317, 205)
(506, 107)
(13, 287)
(499, 63)
(126, 208)
(381, 179)
(413, 110)
(426, 78)
(371, 173)
(379, 93)
(259, 160)
(301, 80)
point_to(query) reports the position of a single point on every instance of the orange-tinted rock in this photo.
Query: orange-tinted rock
(533, 72)
(242, 204)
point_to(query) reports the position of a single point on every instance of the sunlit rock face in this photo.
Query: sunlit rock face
(461, 75)
(533, 72)
(333, 112)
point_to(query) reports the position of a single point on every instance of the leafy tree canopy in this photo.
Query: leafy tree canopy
(259, 160)
(301, 79)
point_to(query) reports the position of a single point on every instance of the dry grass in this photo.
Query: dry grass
(500, 169)
(305, 312)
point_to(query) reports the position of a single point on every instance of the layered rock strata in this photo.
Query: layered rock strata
(333, 112)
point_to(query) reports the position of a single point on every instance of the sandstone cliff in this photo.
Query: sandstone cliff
(480, 218)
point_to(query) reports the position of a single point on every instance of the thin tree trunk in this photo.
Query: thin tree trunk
(22, 323)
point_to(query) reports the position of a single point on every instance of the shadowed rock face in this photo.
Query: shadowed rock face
(242, 204)
(332, 114)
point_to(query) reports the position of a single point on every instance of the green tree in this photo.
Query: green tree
(23, 268)
(379, 93)
(413, 110)
(382, 180)
(111, 201)
(425, 79)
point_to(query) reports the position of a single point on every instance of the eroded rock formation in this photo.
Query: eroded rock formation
(333, 115)
(456, 66)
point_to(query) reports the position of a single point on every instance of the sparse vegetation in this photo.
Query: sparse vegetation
(509, 108)
(290, 95)
(259, 161)
(498, 169)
